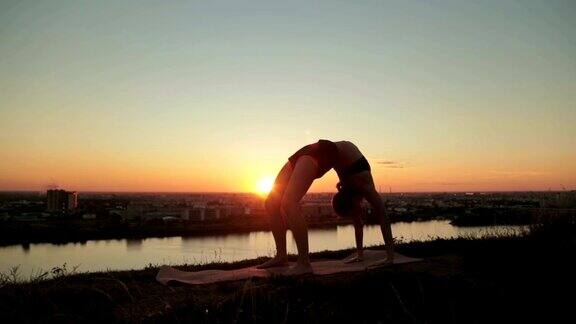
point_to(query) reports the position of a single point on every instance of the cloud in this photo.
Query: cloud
(386, 162)
(391, 164)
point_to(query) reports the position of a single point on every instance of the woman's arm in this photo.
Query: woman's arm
(377, 204)
(356, 215)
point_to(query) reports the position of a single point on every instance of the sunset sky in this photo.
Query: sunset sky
(125, 95)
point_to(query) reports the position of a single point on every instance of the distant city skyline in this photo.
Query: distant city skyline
(213, 96)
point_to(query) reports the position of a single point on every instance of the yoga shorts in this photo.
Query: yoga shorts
(358, 166)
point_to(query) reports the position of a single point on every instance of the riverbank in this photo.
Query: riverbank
(513, 279)
(75, 231)
(60, 231)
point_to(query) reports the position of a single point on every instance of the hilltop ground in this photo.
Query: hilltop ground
(520, 279)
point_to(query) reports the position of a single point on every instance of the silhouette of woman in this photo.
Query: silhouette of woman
(293, 181)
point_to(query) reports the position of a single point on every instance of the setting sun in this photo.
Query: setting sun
(265, 185)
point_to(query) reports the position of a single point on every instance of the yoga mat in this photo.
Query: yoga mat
(320, 267)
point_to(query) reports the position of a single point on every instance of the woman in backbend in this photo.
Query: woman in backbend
(293, 181)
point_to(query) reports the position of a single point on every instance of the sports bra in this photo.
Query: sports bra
(325, 152)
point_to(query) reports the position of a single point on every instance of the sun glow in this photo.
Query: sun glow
(265, 185)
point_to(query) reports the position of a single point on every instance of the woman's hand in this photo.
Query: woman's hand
(381, 262)
(388, 260)
(390, 253)
(354, 259)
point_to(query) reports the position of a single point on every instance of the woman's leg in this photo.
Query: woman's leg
(272, 205)
(300, 181)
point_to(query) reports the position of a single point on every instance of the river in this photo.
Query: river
(98, 255)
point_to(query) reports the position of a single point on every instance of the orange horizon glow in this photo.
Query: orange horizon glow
(409, 177)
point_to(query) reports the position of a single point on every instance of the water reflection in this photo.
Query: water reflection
(138, 253)
(25, 247)
(134, 244)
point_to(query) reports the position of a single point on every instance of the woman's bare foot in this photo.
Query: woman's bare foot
(386, 261)
(274, 262)
(298, 269)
